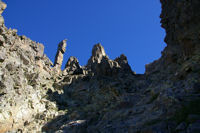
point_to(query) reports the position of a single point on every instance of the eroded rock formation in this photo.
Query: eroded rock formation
(2, 8)
(72, 66)
(105, 95)
(60, 53)
(100, 64)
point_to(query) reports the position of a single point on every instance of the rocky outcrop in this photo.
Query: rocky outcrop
(24, 69)
(105, 95)
(123, 63)
(100, 64)
(98, 53)
(60, 53)
(2, 8)
(181, 22)
(180, 19)
(72, 66)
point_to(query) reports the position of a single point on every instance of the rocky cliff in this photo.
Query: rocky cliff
(104, 96)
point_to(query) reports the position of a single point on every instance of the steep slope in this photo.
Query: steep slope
(105, 96)
(25, 72)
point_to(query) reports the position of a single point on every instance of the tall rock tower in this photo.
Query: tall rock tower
(60, 53)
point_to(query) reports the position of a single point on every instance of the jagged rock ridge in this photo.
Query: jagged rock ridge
(105, 95)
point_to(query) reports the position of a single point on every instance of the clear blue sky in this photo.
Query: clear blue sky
(121, 26)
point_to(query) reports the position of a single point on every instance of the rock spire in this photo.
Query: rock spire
(98, 53)
(2, 8)
(60, 53)
(72, 66)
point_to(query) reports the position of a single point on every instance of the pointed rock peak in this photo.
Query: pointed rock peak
(123, 62)
(72, 62)
(98, 53)
(2, 6)
(62, 46)
(122, 58)
(60, 53)
(98, 50)
(72, 67)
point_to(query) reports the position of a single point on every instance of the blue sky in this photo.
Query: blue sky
(121, 26)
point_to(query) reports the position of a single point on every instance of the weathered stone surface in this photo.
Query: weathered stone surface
(2, 56)
(107, 67)
(100, 64)
(72, 66)
(103, 96)
(2, 8)
(180, 20)
(60, 53)
(98, 53)
(123, 62)
(40, 49)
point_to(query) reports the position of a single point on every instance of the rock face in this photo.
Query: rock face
(180, 19)
(60, 53)
(73, 67)
(100, 64)
(98, 53)
(2, 8)
(182, 28)
(105, 95)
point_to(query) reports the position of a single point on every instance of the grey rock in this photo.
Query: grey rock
(123, 62)
(100, 64)
(2, 56)
(40, 50)
(107, 67)
(1, 20)
(103, 96)
(2, 40)
(72, 66)
(24, 59)
(2, 7)
(98, 53)
(60, 53)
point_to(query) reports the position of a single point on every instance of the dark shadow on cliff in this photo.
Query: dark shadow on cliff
(86, 99)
